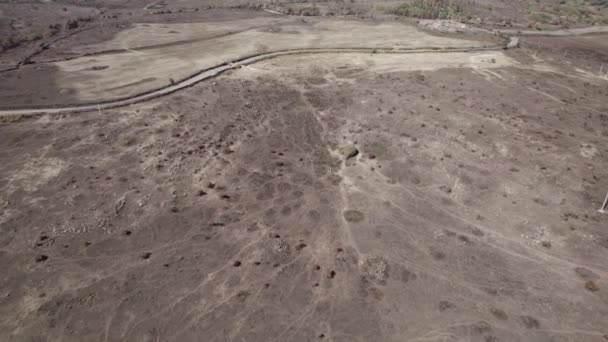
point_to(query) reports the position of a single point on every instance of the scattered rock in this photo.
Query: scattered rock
(480, 327)
(477, 232)
(242, 295)
(530, 322)
(586, 273)
(44, 241)
(407, 275)
(146, 255)
(445, 189)
(41, 258)
(348, 151)
(98, 67)
(513, 43)
(591, 286)
(444, 305)
(119, 205)
(464, 239)
(438, 255)
(451, 26)
(501, 315)
(353, 216)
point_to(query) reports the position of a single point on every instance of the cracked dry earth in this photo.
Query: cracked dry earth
(224, 213)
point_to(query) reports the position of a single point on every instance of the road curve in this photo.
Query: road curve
(578, 31)
(213, 72)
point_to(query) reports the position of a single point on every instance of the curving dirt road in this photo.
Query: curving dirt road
(214, 71)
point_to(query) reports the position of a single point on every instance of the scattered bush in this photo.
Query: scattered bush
(303, 11)
(71, 24)
(10, 43)
(427, 9)
(570, 11)
(600, 3)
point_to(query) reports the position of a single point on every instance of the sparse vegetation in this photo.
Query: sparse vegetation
(10, 43)
(427, 9)
(300, 10)
(600, 3)
(569, 11)
(71, 24)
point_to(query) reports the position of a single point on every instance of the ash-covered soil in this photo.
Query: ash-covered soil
(226, 211)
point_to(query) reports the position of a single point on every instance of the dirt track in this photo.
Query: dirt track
(150, 60)
(215, 71)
